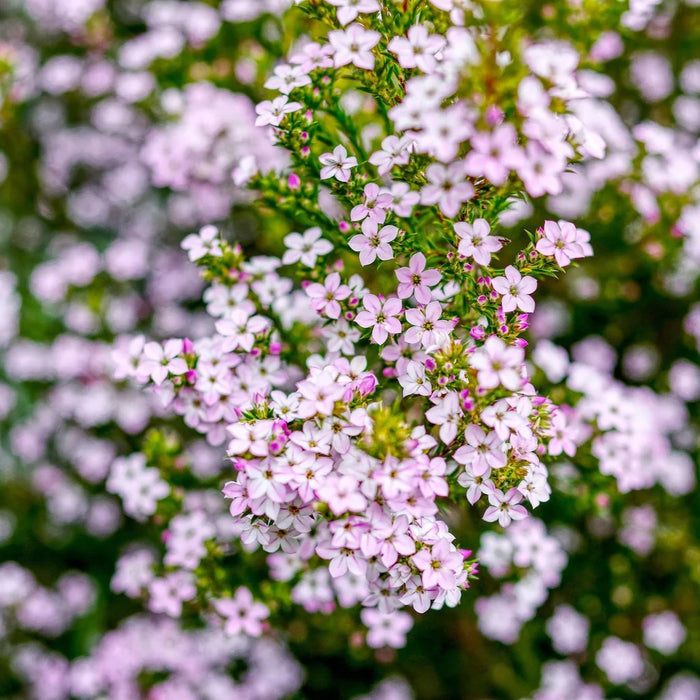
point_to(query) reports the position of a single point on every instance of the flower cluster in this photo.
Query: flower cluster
(352, 371)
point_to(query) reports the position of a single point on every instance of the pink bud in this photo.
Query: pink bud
(187, 346)
(368, 384)
(494, 115)
(602, 500)
(294, 181)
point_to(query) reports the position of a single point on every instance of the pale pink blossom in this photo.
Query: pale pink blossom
(354, 45)
(342, 494)
(418, 49)
(483, 451)
(515, 290)
(414, 381)
(206, 242)
(475, 241)
(306, 247)
(494, 154)
(349, 9)
(241, 613)
(375, 204)
(498, 363)
(273, 112)
(561, 240)
(427, 327)
(373, 242)
(161, 360)
(505, 507)
(447, 187)
(395, 151)
(380, 316)
(447, 413)
(416, 280)
(325, 297)
(337, 164)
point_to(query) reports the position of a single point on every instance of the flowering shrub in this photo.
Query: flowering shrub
(346, 327)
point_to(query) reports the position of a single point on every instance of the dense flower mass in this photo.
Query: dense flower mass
(322, 315)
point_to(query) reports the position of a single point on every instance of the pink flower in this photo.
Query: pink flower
(504, 507)
(375, 205)
(249, 437)
(349, 9)
(273, 112)
(285, 78)
(206, 242)
(241, 329)
(482, 452)
(494, 154)
(389, 539)
(386, 628)
(498, 363)
(562, 436)
(313, 56)
(325, 297)
(161, 360)
(439, 564)
(337, 164)
(167, 594)
(418, 49)
(373, 242)
(354, 45)
(541, 170)
(416, 280)
(265, 480)
(515, 290)
(395, 151)
(560, 240)
(403, 199)
(447, 413)
(414, 381)
(318, 395)
(447, 187)
(242, 614)
(475, 241)
(427, 329)
(306, 247)
(381, 316)
(342, 494)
